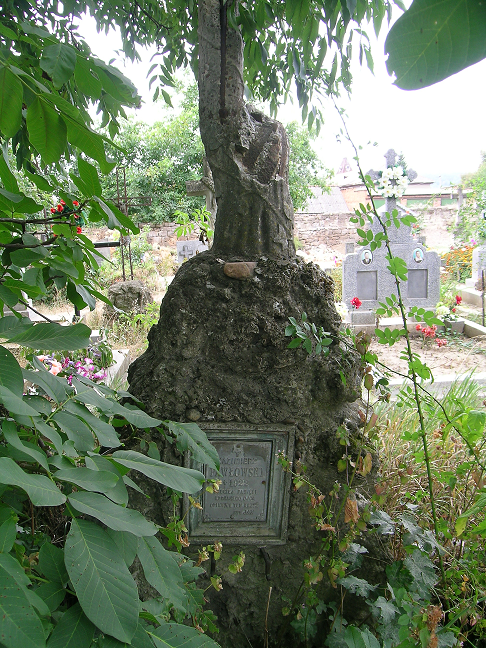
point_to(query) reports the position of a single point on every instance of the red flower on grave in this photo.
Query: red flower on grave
(458, 300)
(418, 327)
(356, 302)
(60, 208)
(53, 211)
(79, 230)
(62, 202)
(440, 342)
(453, 310)
(75, 203)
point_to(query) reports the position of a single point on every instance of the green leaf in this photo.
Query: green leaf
(74, 630)
(20, 627)
(90, 480)
(190, 437)
(11, 373)
(118, 493)
(11, 325)
(50, 433)
(105, 588)
(90, 143)
(181, 479)
(357, 638)
(162, 571)
(77, 431)
(8, 297)
(58, 61)
(8, 533)
(461, 524)
(51, 563)
(11, 98)
(54, 387)
(89, 84)
(15, 404)
(115, 517)
(126, 542)
(54, 337)
(89, 175)
(41, 490)
(173, 635)
(140, 640)
(9, 430)
(47, 131)
(52, 594)
(433, 40)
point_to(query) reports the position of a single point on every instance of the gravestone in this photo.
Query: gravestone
(478, 267)
(204, 187)
(252, 503)
(188, 249)
(365, 273)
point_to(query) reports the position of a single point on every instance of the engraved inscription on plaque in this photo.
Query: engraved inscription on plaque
(243, 494)
(252, 503)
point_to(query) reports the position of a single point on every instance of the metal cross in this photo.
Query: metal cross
(391, 160)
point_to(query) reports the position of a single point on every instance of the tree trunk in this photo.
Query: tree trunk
(247, 151)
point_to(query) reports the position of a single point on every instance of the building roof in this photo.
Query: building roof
(325, 203)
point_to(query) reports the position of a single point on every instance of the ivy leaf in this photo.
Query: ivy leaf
(357, 585)
(105, 588)
(58, 61)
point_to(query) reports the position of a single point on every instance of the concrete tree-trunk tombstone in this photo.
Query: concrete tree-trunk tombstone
(219, 357)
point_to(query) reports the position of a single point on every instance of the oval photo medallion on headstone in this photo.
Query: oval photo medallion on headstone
(366, 257)
(418, 255)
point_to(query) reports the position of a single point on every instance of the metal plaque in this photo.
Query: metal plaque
(417, 283)
(245, 470)
(367, 284)
(252, 504)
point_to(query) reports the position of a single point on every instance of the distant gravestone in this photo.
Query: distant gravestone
(188, 249)
(365, 273)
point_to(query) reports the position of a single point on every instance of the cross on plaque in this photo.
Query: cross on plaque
(391, 160)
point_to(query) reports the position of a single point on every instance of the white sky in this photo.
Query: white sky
(441, 130)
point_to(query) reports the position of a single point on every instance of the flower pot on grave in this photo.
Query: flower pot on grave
(457, 326)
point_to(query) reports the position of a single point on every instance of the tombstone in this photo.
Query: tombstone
(188, 249)
(478, 267)
(365, 273)
(204, 187)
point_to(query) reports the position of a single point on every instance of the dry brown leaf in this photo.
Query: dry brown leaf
(351, 510)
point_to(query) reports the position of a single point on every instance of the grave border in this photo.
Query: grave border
(272, 531)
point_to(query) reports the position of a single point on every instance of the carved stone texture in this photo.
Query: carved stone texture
(246, 151)
(219, 354)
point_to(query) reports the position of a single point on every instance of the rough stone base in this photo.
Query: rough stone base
(219, 354)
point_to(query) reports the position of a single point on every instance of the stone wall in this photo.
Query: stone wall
(331, 230)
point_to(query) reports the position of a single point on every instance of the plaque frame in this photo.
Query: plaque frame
(273, 530)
